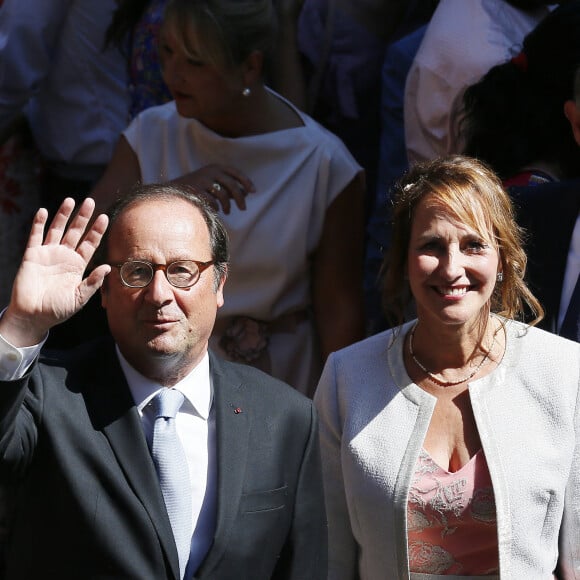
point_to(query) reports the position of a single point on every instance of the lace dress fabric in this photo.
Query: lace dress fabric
(452, 527)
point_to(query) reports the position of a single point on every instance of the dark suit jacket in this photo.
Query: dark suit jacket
(548, 212)
(89, 503)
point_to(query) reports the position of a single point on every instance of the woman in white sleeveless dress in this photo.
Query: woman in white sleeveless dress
(288, 191)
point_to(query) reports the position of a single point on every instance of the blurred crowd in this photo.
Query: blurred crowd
(298, 135)
(388, 78)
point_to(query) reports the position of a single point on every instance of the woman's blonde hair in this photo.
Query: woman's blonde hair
(226, 31)
(473, 195)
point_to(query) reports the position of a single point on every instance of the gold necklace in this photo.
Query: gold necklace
(432, 377)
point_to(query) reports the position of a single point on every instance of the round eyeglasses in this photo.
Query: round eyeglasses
(181, 274)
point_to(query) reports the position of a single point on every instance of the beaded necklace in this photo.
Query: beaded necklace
(432, 377)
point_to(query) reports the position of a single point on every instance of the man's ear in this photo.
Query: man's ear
(572, 113)
(220, 288)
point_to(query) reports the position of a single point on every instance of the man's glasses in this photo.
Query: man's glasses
(181, 274)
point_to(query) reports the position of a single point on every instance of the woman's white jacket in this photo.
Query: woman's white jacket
(373, 424)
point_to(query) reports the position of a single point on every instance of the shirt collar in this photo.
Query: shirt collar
(196, 386)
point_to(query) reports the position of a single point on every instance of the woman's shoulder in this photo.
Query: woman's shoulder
(543, 348)
(150, 127)
(312, 129)
(523, 331)
(159, 126)
(164, 112)
(371, 347)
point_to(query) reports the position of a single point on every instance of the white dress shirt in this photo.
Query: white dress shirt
(14, 362)
(195, 424)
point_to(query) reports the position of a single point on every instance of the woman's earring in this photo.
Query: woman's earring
(246, 92)
(500, 276)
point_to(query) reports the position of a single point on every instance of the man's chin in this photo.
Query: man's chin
(157, 347)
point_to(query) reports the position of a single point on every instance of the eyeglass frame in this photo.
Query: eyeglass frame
(201, 266)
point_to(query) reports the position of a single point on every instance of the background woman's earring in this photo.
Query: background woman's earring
(500, 276)
(246, 92)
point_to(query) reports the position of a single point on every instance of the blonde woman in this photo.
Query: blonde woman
(288, 191)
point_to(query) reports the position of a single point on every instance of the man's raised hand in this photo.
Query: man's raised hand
(49, 286)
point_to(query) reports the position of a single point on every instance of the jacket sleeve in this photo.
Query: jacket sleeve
(20, 412)
(342, 546)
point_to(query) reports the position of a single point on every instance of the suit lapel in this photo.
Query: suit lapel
(542, 210)
(233, 420)
(568, 206)
(110, 403)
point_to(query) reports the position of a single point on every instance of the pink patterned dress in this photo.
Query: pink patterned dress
(452, 520)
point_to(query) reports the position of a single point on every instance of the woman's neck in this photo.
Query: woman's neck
(449, 356)
(258, 113)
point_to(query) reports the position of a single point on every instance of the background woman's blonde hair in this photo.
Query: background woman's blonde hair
(226, 31)
(472, 194)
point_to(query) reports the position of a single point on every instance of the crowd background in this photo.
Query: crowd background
(397, 82)
(386, 77)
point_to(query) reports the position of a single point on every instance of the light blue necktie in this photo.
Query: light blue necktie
(171, 464)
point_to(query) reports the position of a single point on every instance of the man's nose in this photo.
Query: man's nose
(159, 290)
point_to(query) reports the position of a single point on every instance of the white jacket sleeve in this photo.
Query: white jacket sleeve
(342, 546)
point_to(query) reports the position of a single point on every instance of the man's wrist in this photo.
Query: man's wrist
(20, 332)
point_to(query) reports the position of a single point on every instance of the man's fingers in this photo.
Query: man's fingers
(77, 235)
(36, 235)
(93, 237)
(93, 282)
(59, 222)
(78, 224)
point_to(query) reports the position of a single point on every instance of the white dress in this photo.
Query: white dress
(297, 174)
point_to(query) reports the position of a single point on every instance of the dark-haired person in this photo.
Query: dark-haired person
(462, 42)
(515, 118)
(79, 434)
(554, 259)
